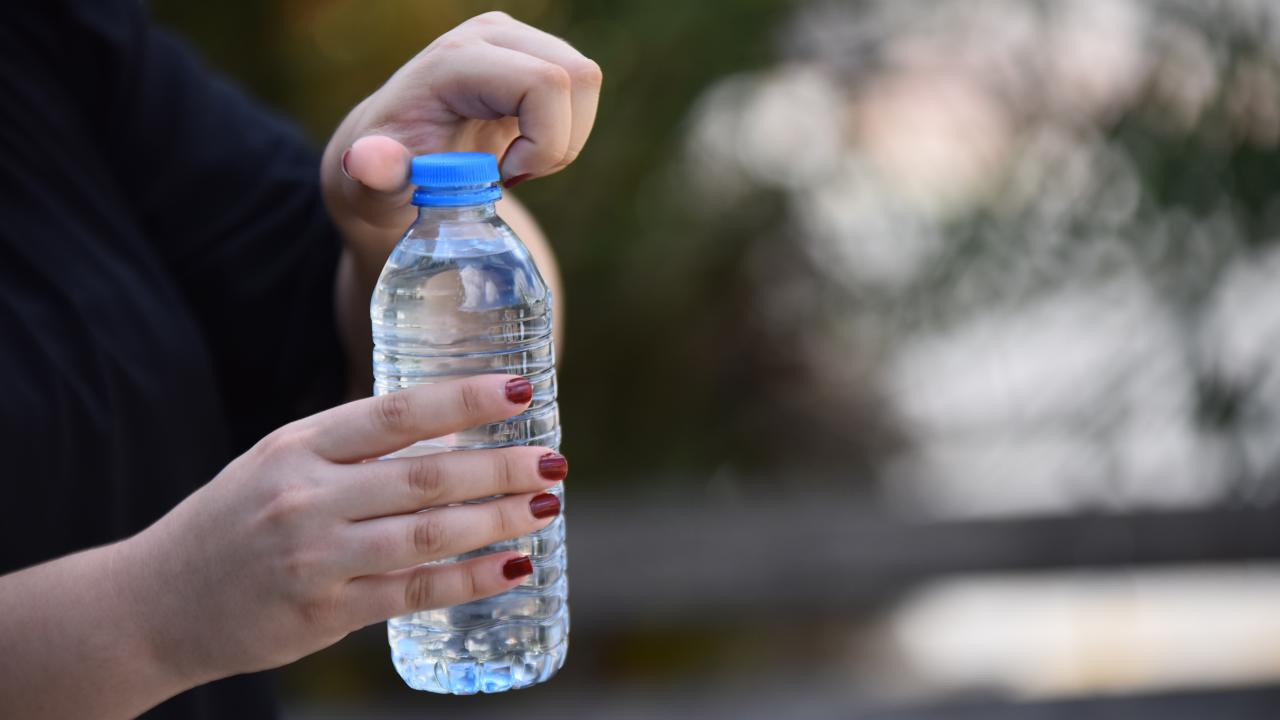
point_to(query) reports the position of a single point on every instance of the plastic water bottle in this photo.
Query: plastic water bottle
(461, 296)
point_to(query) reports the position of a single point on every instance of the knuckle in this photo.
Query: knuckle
(426, 481)
(561, 80)
(505, 473)
(286, 504)
(493, 17)
(419, 592)
(383, 547)
(393, 411)
(505, 522)
(468, 584)
(428, 538)
(298, 567)
(471, 399)
(555, 77)
(570, 156)
(451, 42)
(587, 72)
(281, 440)
(319, 611)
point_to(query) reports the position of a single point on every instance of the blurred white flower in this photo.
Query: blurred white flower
(791, 126)
(1253, 102)
(779, 129)
(1095, 55)
(860, 233)
(711, 165)
(1240, 339)
(1184, 74)
(938, 140)
(1064, 634)
(993, 171)
(1081, 397)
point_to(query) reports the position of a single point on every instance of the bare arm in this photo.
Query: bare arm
(298, 542)
(293, 545)
(73, 644)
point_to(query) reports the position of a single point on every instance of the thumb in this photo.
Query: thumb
(378, 168)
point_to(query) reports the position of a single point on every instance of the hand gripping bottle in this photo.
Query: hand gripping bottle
(461, 296)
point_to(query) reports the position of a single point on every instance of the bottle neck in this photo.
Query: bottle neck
(461, 213)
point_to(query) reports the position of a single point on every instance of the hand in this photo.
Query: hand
(491, 84)
(300, 541)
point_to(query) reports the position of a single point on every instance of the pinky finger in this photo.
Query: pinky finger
(374, 598)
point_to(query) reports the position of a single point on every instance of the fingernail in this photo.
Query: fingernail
(517, 568)
(553, 466)
(545, 505)
(514, 181)
(519, 390)
(345, 153)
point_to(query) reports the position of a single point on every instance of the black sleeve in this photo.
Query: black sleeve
(230, 195)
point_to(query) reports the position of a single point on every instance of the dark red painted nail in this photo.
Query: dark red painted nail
(346, 172)
(545, 505)
(512, 182)
(517, 568)
(519, 390)
(553, 466)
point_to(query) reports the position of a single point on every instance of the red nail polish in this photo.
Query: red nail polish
(512, 182)
(345, 153)
(553, 466)
(517, 568)
(519, 390)
(544, 505)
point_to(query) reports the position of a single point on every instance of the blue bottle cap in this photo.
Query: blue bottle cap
(455, 179)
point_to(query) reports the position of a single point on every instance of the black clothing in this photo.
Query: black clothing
(166, 287)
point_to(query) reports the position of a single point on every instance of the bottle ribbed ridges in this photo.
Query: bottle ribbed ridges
(524, 642)
(468, 677)
(519, 638)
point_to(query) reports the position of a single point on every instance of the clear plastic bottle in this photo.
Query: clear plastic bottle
(461, 296)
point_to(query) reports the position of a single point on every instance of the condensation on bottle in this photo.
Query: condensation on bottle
(461, 296)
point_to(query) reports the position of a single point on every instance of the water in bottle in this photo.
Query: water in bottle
(461, 296)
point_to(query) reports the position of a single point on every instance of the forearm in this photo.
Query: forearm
(74, 643)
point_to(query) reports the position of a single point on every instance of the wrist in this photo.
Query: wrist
(150, 612)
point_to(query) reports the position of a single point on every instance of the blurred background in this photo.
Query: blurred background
(923, 358)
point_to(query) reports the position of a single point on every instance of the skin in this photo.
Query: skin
(492, 84)
(300, 541)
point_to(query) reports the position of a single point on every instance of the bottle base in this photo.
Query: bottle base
(469, 677)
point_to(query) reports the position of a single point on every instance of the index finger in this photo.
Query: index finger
(584, 74)
(490, 82)
(376, 426)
